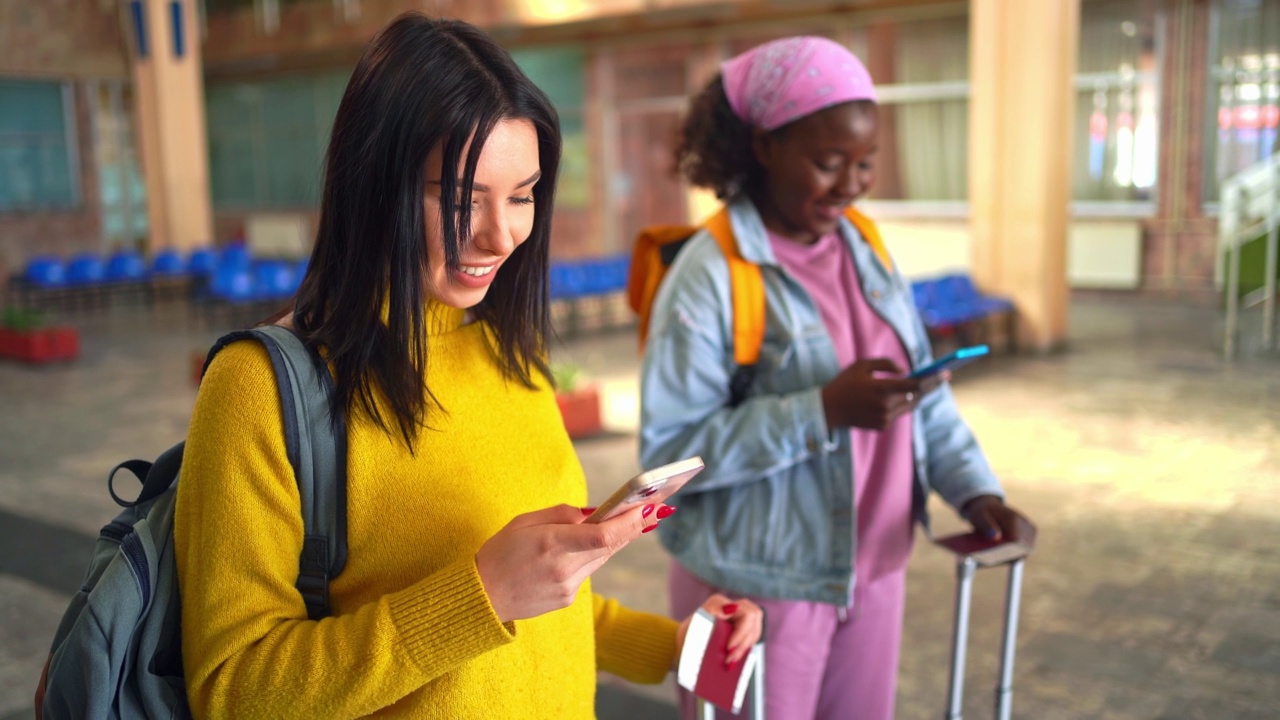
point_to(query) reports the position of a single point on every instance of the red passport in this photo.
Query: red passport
(702, 668)
(984, 551)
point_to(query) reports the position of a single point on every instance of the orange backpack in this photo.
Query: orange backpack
(656, 248)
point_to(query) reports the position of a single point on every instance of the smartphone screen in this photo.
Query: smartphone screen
(649, 487)
(959, 358)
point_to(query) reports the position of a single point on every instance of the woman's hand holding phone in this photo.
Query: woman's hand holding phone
(871, 394)
(537, 562)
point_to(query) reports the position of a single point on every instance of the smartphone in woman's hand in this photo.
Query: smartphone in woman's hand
(648, 488)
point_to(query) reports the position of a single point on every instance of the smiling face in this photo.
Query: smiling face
(502, 212)
(814, 168)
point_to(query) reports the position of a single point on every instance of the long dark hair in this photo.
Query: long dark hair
(421, 83)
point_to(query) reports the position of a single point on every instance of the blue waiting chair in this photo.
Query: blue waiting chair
(167, 264)
(86, 280)
(953, 303)
(202, 262)
(41, 284)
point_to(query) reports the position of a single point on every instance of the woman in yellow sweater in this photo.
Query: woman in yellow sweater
(466, 592)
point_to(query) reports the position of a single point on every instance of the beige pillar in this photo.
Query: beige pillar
(1023, 58)
(169, 113)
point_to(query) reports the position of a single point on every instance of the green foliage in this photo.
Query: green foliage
(566, 376)
(20, 319)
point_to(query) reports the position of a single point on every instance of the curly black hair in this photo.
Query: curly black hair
(713, 149)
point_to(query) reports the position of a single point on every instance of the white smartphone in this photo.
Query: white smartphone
(649, 487)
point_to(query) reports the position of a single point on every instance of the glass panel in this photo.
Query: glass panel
(557, 70)
(924, 124)
(35, 161)
(560, 72)
(1244, 91)
(1117, 110)
(267, 139)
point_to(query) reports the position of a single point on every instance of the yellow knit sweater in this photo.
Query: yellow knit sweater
(413, 633)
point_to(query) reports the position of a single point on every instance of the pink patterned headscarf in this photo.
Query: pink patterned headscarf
(772, 84)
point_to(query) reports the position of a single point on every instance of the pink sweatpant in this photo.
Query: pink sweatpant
(817, 665)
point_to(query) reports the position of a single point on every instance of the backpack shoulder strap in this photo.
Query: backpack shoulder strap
(654, 251)
(316, 444)
(867, 228)
(747, 285)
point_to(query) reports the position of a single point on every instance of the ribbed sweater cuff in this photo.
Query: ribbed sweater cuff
(636, 646)
(446, 619)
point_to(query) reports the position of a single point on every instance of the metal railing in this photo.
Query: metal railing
(1250, 207)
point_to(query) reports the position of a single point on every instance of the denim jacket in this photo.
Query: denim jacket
(772, 514)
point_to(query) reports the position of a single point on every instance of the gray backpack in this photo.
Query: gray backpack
(117, 652)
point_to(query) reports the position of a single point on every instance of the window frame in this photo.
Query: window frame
(71, 141)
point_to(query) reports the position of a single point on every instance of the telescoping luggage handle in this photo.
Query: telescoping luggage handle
(707, 711)
(966, 566)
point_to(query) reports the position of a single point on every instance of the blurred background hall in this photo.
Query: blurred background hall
(1090, 186)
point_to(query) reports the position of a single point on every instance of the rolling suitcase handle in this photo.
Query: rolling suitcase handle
(966, 566)
(707, 711)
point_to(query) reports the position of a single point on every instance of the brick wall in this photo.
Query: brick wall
(73, 40)
(62, 232)
(61, 38)
(1180, 245)
(317, 34)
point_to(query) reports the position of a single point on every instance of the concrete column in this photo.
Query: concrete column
(1022, 61)
(169, 111)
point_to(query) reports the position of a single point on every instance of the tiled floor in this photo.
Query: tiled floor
(1151, 467)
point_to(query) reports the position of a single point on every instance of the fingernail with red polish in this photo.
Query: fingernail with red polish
(729, 609)
(665, 511)
(648, 510)
(587, 511)
(649, 528)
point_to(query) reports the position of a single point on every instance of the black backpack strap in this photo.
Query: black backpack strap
(316, 444)
(156, 477)
(740, 384)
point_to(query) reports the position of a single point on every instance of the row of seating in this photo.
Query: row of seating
(953, 299)
(571, 279)
(51, 272)
(951, 306)
(230, 275)
(586, 294)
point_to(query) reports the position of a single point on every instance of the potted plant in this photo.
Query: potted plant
(24, 336)
(579, 401)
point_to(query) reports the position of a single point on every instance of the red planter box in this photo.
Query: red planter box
(41, 345)
(581, 411)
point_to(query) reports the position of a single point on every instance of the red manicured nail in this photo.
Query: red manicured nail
(649, 528)
(665, 511)
(729, 609)
(647, 511)
(587, 511)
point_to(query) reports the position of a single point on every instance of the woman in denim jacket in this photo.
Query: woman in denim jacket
(815, 479)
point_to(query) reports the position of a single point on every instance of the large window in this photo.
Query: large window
(121, 190)
(559, 72)
(37, 146)
(1244, 93)
(1116, 135)
(921, 70)
(267, 139)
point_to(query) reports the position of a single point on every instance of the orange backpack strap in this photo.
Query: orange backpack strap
(648, 266)
(655, 250)
(747, 284)
(871, 234)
